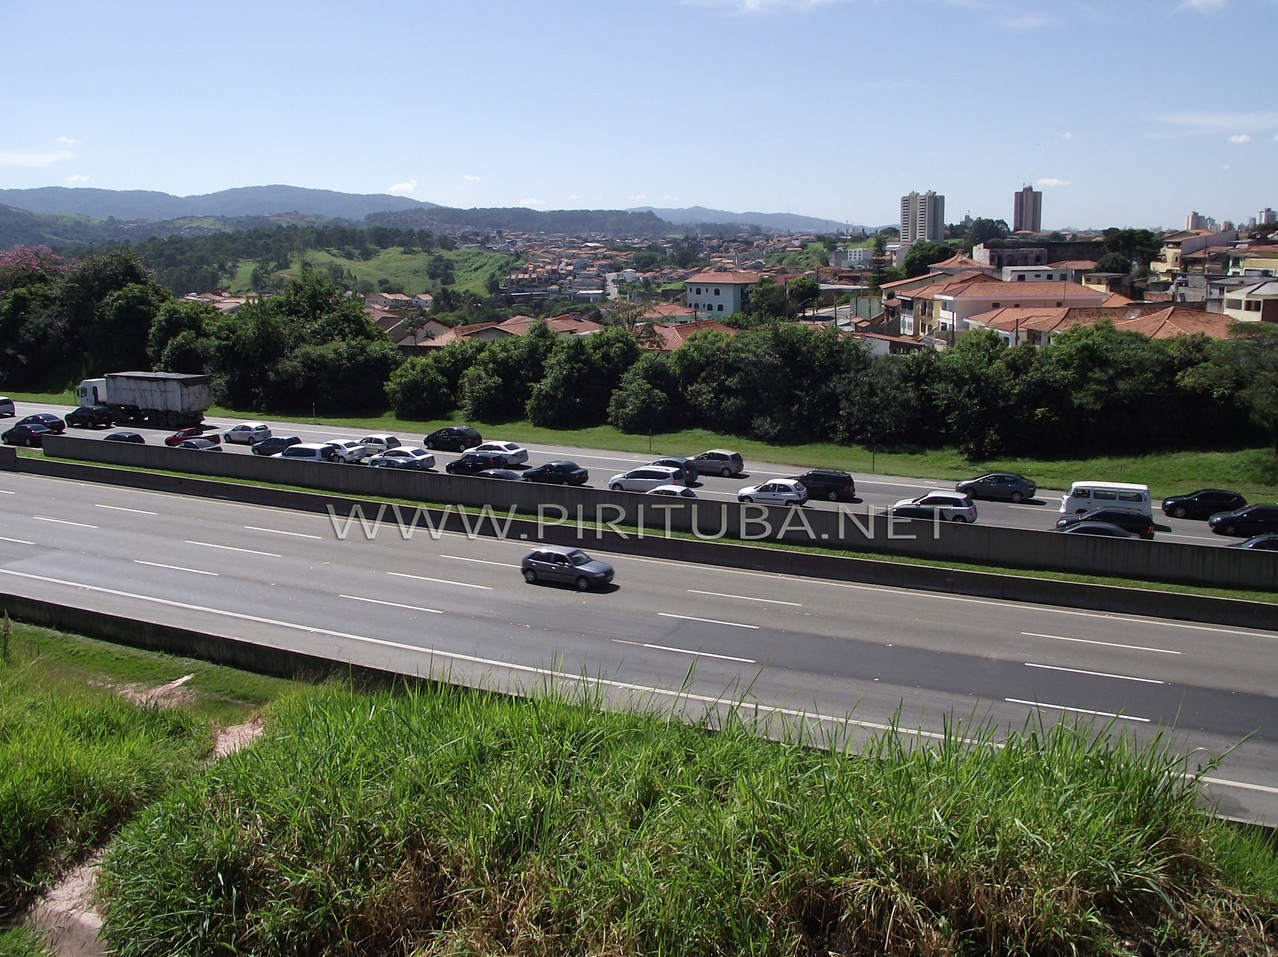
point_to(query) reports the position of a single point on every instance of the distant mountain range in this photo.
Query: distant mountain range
(781, 222)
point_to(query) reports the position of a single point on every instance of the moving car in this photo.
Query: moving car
(472, 462)
(1002, 486)
(307, 452)
(1267, 542)
(346, 450)
(181, 435)
(722, 461)
(776, 492)
(133, 437)
(829, 484)
(686, 465)
(6, 407)
(47, 419)
(247, 433)
(559, 472)
(30, 434)
(569, 566)
(453, 438)
(1134, 522)
(90, 417)
(674, 491)
(1085, 496)
(1245, 522)
(1204, 503)
(403, 457)
(199, 445)
(508, 475)
(515, 454)
(379, 442)
(1101, 529)
(949, 506)
(276, 443)
(644, 478)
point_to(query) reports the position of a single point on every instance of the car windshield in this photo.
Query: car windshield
(578, 558)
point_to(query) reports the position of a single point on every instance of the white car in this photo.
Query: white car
(675, 491)
(645, 478)
(950, 506)
(247, 433)
(346, 450)
(776, 492)
(379, 442)
(403, 457)
(514, 453)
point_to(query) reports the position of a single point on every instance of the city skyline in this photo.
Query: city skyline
(768, 106)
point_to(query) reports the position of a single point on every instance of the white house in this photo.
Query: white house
(719, 293)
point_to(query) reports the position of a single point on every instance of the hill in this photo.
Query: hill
(781, 222)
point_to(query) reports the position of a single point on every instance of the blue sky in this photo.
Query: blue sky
(1123, 112)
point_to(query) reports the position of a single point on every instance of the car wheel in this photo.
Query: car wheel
(958, 518)
(1231, 530)
(582, 583)
(726, 472)
(1179, 511)
(747, 499)
(615, 486)
(530, 576)
(832, 496)
(1017, 498)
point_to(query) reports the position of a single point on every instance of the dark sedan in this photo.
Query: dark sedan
(453, 438)
(1204, 503)
(199, 445)
(1099, 529)
(1135, 522)
(30, 434)
(132, 437)
(276, 443)
(473, 462)
(1001, 486)
(561, 472)
(47, 419)
(1262, 543)
(1245, 522)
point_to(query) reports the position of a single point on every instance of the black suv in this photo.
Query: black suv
(1142, 525)
(276, 443)
(453, 438)
(473, 462)
(90, 416)
(830, 484)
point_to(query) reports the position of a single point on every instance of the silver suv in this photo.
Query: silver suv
(644, 478)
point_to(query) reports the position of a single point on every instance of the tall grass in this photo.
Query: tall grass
(450, 822)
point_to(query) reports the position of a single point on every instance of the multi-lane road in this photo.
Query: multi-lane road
(676, 636)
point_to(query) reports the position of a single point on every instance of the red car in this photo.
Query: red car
(194, 432)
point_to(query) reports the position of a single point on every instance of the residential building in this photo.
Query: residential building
(1038, 326)
(1027, 211)
(1255, 303)
(923, 217)
(720, 293)
(1266, 215)
(945, 307)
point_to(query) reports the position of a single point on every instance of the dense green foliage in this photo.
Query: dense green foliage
(460, 823)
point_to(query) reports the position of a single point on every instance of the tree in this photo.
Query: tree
(1244, 366)
(879, 262)
(802, 291)
(923, 254)
(417, 390)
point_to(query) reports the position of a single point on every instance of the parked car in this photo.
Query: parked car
(276, 443)
(6, 407)
(1267, 542)
(346, 450)
(775, 492)
(403, 457)
(453, 438)
(1133, 522)
(722, 461)
(307, 452)
(1204, 503)
(1101, 529)
(644, 478)
(90, 417)
(507, 475)
(674, 491)
(199, 445)
(558, 472)
(829, 484)
(472, 462)
(30, 434)
(379, 442)
(949, 506)
(515, 454)
(181, 435)
(1245, 522)
(247, 433)
(47, 419)
(686, 465)
(569, 566)
(133, 437)
(1002, 486)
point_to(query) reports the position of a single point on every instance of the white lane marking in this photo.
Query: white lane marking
(280, 531)
(1062, 707)
(176, 568)
(708, 621)
(62, 521)
(719, 594)
(232, 548)
(1106, 644)
(1094, 674)
(5, 491)
(479, 561)
(392, 604)
(683, 651)
(16, 541)
(440, 581)
(1225, 782)
(121, 508)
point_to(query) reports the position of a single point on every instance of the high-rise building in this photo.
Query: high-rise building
(923, 217)
(1027, 210)
(1266, 215)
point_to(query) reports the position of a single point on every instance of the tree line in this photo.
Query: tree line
(1093, 390)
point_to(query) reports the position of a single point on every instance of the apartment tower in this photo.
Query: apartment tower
(1027, 210)
(923, 218)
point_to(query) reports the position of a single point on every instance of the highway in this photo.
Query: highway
(667, 635)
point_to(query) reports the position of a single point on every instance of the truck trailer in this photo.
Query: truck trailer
(164, 400)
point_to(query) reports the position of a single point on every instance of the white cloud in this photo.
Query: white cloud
(1068, 137)
(19, 158)
(65, 141)
(408, 186)
(1240, 138)
(471, 178)
(78, 178)
(637, 197)
(1202, 6)
(532, 203)
(762, 6)
(1051, 181)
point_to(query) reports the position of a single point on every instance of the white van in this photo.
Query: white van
(307, 452)
(1085, 496)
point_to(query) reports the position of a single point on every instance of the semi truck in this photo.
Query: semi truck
(167, 400)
